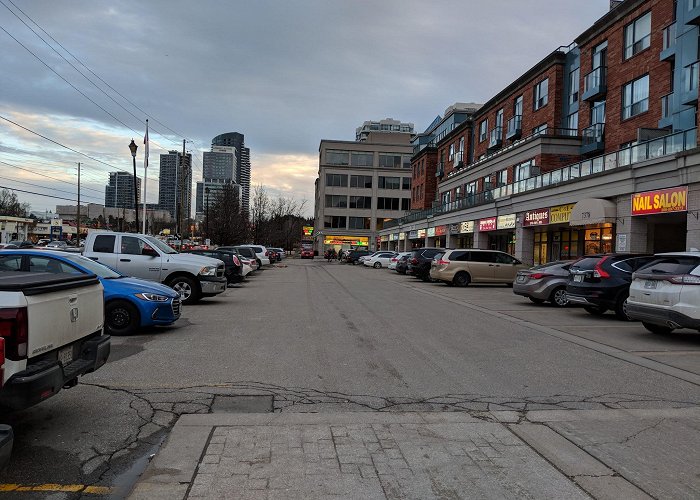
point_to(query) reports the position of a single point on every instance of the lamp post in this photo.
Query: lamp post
(133, 147)
(206, 191)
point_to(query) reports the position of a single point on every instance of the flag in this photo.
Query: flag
(145, 141)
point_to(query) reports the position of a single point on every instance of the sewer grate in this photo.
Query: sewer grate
(242, 404)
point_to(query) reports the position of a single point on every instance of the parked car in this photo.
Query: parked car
(261, 254)
(395, 260)
(463, 266)
(420, 260)
(140, 256)
(52, 326)
(602, 282)
(43, 242)
(544, 283)
(307, 253)
(129, 303)
(363, 258)
(21, 244)
(355, 255)
(402, 263)
(233, 270)
(664, 294)
(279, 252)
(57, 245)
(379, 260)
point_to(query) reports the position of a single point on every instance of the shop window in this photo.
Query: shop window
(598, 239)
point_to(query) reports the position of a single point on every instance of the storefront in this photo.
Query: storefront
(338, 243)
(501, 231)
(417, 238)
(664, 212)
(440, 236)
(462, 234)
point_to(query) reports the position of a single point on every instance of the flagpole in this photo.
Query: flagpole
(145, 176)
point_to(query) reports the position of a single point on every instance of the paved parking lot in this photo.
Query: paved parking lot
(331, 338)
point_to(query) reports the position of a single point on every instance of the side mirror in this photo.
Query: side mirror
(149, 251)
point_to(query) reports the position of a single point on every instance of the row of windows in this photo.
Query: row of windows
(342, 222)
(341, 201)
(365, 181)
(366, 159)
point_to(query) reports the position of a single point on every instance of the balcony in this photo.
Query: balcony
(668, 51)
(593, 139)
(514, 130)
(495, 138)
(692, 16)
(690, 84)
(440, 172)
(666, 111)
(595, 84)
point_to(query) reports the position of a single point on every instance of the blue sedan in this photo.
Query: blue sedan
(130, 303)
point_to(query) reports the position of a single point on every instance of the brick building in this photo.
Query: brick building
(593, 149)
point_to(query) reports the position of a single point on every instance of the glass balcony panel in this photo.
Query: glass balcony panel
(597, 165)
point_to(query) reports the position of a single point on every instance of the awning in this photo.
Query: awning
(593, 211)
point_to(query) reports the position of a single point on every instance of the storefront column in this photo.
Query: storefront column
(525, 244)
(481, 240)
(449, 242)
(693, 228)
(631, 232)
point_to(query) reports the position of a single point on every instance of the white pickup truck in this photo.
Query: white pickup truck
(140, 256)
(51, 332)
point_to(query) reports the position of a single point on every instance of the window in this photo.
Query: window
(518, 106)
(540, 129)
(526, 170)
(360, 181)
(11, 262)
(337, 180)
(405, 203)
(387, 203)
(598, 113)
(572, 123)
(362, 159)
(598, 59)
(334, 222)
(461, 148)
(638, 35)
(389, 182)
(445, 198)
(406, 162)
(458, 192)
(487, 183)
(635, 97)
(541, 94)
(405, 183)
(359, 222)
(337, 157)
(470, 188)
(503, 258)
(390, 160)
(573, 86)
(104, 243)
(47, 265)
(499, 119)
(360, 202)
(132, 245)
(483, 130)
(336, 201)
(451, 155)
(501, 178)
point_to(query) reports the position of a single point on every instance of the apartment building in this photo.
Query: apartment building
(361, 185)
(593, 149)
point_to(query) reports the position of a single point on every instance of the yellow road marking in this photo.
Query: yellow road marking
(69, 488)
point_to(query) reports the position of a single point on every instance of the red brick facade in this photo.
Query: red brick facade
(423, 182)
(621, 71)
(462, 133)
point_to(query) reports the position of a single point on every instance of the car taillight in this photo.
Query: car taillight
(538, 276)
(685, 279)
(441, 262)
(394, 259)
(598, 271)
(267, 253)
(14, 330)
(236, 261)
(414, 261)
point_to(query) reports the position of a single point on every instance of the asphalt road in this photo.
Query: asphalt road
(317, 336)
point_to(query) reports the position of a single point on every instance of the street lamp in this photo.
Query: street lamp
(133, 147)
(206, 191)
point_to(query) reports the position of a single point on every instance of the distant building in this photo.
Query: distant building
(219, 163)
(385, 125)
(215, 186)
(242, 165)
(173, 174)
(119, 193)
(94, 211)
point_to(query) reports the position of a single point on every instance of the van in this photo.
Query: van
(462, 266)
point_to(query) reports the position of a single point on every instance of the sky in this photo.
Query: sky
(284, 73)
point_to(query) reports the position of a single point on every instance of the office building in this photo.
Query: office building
(119, 192)
(175, 184)
(242, 165)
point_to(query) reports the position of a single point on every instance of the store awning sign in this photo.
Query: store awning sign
(661, 201)
(539, 217)
(560, 214)
(353, 241)
(402, 236)
(421, 233)
(466, 227)
(488, 224)
(384, 237)
(431, 232)
(413, 235)
(505, 221)
(593, 211)
(440, 230)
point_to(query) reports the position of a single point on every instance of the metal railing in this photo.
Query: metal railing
(656, 148)
(594, 133)
(595, 79)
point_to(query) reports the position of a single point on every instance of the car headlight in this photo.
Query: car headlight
(208, 271)
(153, 297)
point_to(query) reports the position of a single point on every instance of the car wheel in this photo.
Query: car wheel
(121, 318)
(536, 301)
(621, 308)
(595, 310)
(259, 263)
(377, 265)
(461, 279)
(186, 287)
(657, 329)
(558, 297)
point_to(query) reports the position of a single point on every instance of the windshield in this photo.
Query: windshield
(94, 267)
(156, 243)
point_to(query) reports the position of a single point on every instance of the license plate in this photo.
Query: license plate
(578, 278)
(520, 279)
(65, 356)
(651, 284)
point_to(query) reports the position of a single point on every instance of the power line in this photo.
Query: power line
(42, 187)
(37, 194)
(44, 175)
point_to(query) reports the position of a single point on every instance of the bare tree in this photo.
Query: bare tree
(11, 206)
(227, 224)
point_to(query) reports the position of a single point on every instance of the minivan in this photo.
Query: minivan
(462, 266)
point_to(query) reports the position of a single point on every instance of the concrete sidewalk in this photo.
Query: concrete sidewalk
(401, 455)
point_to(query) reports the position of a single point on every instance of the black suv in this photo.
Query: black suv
(420, 260)
(354, 255)
(233, 268)
(402, 264)
(602, 282)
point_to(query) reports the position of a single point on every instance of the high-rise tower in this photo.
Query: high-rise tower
(242, 165)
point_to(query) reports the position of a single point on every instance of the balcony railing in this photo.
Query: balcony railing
(594, 83)
(496, 137)
(514, 129)
(656, 148)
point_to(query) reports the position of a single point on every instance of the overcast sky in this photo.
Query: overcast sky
(285, 73)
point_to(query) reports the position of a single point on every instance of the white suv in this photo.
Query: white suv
(665, 294)
(261, 253)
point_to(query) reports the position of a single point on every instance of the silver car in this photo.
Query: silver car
(544, 283)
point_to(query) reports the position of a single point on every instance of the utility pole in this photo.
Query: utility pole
(78, 218)
(179, 202)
